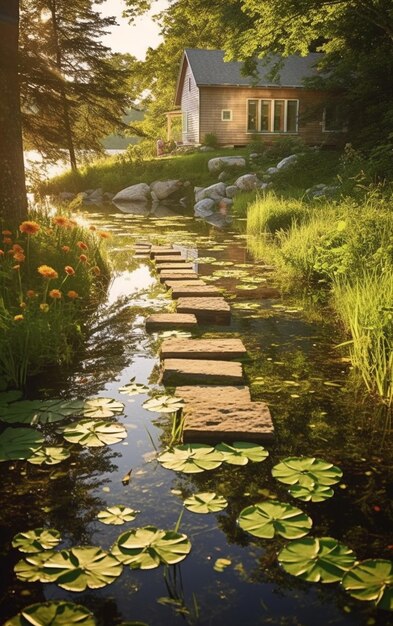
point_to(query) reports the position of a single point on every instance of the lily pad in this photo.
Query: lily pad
(102, 407)
(19, 443)
(6, 397)
(82, 567)
(49, 456)
(240, 452)
(372, 581)
(40, 411)
(317, 560)
(56, 613)
(207, 502)
(306, 471)
(118, 514)
(31, 568)
(149, 547)
(246, 287)
(93, 433)
(267, 519)
(317, 493)
(133, 388)
(37, 540)
(191, 458)
(164, 404)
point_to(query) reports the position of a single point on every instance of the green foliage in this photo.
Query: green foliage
(149, 547)
(207, 502)
(271, 213)
(36, 540)
(94, 434)
(117, 515)
(267, 519)
(372, 581)
(50, 455)
(317, 560)
(164, 404)
(240, 452)
(282, 147)
(306, 471)
(210, 140)
(191, 458)
(133, 388)
(54, 613)
(19, 443)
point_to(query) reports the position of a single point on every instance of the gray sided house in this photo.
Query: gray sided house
(214, 97)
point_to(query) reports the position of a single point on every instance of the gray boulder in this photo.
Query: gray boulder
(204, 208)
(223, 176)
(66, 195)
(231, 191)
(289, 160)
(221, 163)
(247, 182)
(215, 192)
(272, 170)
(164, 188)
(134, 193)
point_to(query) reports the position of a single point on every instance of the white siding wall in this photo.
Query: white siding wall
(190, 106)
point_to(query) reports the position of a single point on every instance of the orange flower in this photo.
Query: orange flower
(83, 258)
(55, 294)
(82, 245)
(65, 248)
(96, 270)
(6, 233)
(72, 294)
(30, 293)
(104, 235)
(7, 240)
(60, 220)
(19, 256)
(1, 252)
(47, 272)
(69, 270)
(18, 318)
(17, 248)
(30, 228)
(44, 307)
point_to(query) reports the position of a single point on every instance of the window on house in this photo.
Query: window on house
(226, 115)
(252, 115)
(184, 120)
(333, 119)
(272, 116)
(189, 83)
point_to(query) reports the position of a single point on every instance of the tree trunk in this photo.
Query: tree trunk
(13, 201)
(63, 93)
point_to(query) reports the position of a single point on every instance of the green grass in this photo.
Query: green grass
(116, 173)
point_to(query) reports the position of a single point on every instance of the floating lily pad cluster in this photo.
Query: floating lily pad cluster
(310, 479)
(55, 613)
(27, 443)
(196, 458)
(133, 388)
(164, 404)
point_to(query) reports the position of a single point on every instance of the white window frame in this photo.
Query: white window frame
(272, 107)
(228, 119)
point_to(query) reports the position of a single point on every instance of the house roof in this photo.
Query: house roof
(209, 69)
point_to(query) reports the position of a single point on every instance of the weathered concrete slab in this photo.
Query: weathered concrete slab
(222, 421)
(170, 258)
(170, 320)
(207, 310)
(214, 393)
(177, 275)
(157, 251)
(216, 349)
(197, 291)
(143, 244)
(177, 371)
(170, 284)
(140, 255)
(182, 265)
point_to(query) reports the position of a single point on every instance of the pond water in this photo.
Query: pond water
(293, 365)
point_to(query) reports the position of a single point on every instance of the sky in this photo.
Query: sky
(136, 38)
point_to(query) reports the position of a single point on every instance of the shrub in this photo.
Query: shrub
(283, 147)
(50, 270)
(210, 140)
(271, 213)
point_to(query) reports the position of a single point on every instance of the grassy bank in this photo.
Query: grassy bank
(346, 246)
(51, 270)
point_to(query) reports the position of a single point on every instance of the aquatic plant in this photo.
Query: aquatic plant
(117, 515)
(206, 502)
(94, 434)
(371, 581)
(149, 547)
(37, 540)
(267, 519)
(53, 613)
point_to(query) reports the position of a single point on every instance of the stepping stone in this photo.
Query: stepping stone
(197, 291)
(174, 266)
(170, 258)
(198, 371)
(207, 310)
(217, 349)
(205, 393)
(157, 251)
(170, 320)
(177, 275)
(143, 243)
(170, 284)
(222, 421)
(141, 256)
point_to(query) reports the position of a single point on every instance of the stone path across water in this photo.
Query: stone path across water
(218, 406)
